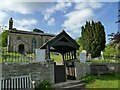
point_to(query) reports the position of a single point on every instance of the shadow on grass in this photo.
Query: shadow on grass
(107, 81)
(113, 76)
(103, 77)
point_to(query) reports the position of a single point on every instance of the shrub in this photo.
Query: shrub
(88, 78)
(44, 85)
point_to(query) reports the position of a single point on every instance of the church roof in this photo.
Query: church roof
(30, 33)
(61, 43)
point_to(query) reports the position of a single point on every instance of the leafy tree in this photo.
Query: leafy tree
(110, 50)
(114, 38)
(93, 38)
(38, 30)
(4, 38)
(80, 42)
(115, 41)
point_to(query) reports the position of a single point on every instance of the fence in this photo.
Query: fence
(16, 83)
(15, 56)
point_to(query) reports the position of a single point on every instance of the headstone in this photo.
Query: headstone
(40, 55)
(102, 55)
(89, 57)
(114, 57)
(83, 56)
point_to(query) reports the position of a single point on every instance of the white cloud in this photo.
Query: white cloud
(82, 12)
(93, 5)
(24, 24)
(3, 16)
(51, 21)
(76, 19)
(80, 5)
(24, 7)
(60, 6)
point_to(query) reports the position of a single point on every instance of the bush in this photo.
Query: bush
(88, 78)
(44, 85)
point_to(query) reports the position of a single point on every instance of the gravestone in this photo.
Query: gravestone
(89, 57)
(83, 56)
(102, 57)
(40, 55)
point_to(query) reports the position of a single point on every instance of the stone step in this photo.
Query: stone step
(75, 86)
(69, 84)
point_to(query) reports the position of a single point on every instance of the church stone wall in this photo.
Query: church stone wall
(26, 40)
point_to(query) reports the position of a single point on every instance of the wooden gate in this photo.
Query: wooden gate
(70, 70)
(59, 73)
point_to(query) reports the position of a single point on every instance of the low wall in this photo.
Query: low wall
(110, 65)
(115, 65)
(37, 71)
(84, 68)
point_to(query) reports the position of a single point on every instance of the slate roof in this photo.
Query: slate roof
(30, 33)
(68, 43)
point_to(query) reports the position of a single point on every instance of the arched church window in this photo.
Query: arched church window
(34, 43)
(18, 38)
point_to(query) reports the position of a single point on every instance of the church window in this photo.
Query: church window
(18, 38)
(34, 43)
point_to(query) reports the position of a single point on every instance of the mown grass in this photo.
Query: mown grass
(102, 81)
(106, 61)
(57, 58)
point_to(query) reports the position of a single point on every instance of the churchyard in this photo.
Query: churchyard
(33, 69)
(92, 81)
(59, 61)
(62, 66)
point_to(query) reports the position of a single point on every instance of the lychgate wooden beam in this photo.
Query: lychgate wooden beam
(47, 52)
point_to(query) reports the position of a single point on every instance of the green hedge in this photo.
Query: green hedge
(44, 85)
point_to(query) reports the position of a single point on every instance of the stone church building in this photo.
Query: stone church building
(25, 41)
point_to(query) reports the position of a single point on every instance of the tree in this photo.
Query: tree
(4, 38)
(38, 30)
(79, 42)
(114, 38)
(115, 41)
(93, 38)
(110, 50)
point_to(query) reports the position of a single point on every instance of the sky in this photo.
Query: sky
(53, 17)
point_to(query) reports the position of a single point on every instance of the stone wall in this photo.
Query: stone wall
(37, 71)
(110, 66)
(115, 65)
(84, 68)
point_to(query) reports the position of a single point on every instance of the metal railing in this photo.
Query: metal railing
(14, 56)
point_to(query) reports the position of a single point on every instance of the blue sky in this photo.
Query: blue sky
(53, 17)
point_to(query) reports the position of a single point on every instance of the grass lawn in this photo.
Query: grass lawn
(102, 81)
(57, 58)
(106, 61)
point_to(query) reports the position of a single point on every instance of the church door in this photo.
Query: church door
(21, 48)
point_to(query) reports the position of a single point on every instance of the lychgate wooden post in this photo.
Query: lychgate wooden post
(47, 52)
